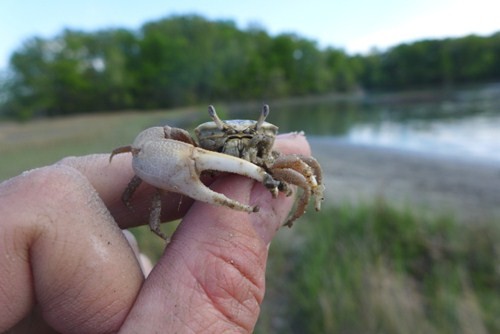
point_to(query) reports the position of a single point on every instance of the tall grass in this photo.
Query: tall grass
(374, 269)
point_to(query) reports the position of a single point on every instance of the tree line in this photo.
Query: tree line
(184, 60)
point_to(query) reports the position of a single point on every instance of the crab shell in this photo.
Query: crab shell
(212, 138)
(247, 139)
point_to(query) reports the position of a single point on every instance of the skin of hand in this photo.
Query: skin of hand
(65, 265)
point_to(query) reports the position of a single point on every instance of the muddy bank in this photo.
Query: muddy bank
(467, 190)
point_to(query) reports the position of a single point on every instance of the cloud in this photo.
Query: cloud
(450, 19)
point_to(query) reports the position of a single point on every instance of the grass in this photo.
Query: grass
(33, 144)
(363, 269)
(375, 269)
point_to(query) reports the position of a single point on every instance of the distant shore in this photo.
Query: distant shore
(432, 185)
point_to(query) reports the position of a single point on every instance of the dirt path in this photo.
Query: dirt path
(468, 190)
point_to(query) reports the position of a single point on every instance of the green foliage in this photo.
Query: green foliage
(183, 60)
(374, 269)
(73, 73)
(471, 59)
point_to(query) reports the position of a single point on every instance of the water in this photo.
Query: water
(463, 123)
(476, 137)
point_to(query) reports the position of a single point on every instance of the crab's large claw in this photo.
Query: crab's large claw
(175, 166)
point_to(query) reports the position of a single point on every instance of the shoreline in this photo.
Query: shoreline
(425, 183)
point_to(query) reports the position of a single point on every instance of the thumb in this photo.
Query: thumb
(212, 275)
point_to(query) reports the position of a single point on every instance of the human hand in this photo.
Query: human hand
(65, 265)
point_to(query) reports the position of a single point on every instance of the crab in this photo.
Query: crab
(170, 159)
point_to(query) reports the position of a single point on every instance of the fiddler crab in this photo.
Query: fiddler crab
(170, 159)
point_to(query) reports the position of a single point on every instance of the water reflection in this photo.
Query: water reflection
(463, 123)
(475, 137)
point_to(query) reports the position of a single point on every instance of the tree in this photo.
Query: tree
(74, 72)
(188, 59)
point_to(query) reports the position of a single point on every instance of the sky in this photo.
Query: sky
(357, 26)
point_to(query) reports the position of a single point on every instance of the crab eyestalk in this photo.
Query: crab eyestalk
(220, 124)
(262, 117)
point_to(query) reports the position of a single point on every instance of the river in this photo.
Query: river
(463, 123)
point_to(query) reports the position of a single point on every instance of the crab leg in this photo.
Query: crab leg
(119, 150)
(295, 162)
(314, 164)
(129, 191)
(292, 176)
(309, 168)
(154, 215)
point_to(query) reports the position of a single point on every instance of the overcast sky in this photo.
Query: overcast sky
(354, 25)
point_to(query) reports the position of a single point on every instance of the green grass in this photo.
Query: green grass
(33, 144)
(374, 269)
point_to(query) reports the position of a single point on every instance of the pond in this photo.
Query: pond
(461, 123)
